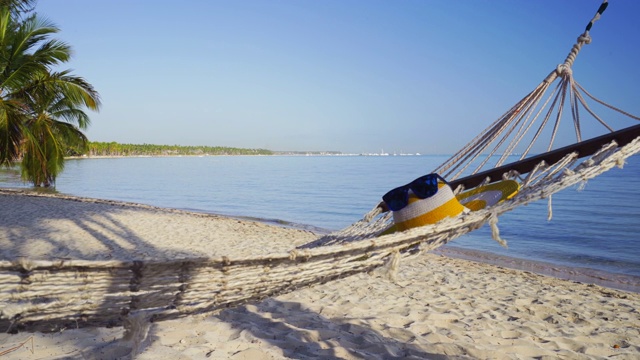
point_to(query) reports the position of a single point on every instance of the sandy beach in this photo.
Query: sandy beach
(437, 307)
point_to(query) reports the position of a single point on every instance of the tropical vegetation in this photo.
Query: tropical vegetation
(41, 110)
(116, 149)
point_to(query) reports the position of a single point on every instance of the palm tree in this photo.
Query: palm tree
(55, 123)
(19, 7)
(41, 112)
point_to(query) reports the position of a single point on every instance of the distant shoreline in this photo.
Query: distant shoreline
(275, 153)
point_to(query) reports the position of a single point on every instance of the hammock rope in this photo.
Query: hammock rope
(512, 127)
(49, 295)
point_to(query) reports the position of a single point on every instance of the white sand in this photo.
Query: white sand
(438, 308)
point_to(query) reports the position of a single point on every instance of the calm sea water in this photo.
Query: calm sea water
(596, 229)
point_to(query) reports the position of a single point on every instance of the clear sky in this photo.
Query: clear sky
(345, 75)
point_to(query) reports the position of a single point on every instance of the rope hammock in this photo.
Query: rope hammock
(48, 295)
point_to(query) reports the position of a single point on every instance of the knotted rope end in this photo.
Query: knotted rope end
(495, 232)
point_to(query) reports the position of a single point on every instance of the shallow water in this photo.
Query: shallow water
(594, 229)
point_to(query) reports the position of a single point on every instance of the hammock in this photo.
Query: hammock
(49, 295)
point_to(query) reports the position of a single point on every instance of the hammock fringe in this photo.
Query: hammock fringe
(495, 232)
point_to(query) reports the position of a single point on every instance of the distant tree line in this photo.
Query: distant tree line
(116, 149)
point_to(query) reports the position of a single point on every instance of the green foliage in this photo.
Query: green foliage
(41, 111)
(116, 149)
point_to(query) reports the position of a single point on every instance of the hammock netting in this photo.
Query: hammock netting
(49, 295)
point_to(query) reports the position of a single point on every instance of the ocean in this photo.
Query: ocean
(594, 232)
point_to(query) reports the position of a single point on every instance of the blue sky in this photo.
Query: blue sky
(352, 75)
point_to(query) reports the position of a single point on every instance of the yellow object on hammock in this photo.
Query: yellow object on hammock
(484, 196)
(427, 211)
(420, 212)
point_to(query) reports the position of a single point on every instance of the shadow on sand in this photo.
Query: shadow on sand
(58, 228)
(299, 332)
